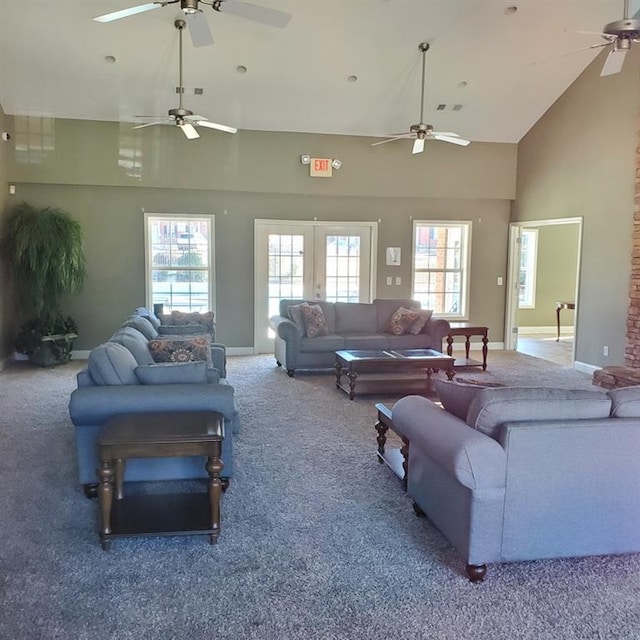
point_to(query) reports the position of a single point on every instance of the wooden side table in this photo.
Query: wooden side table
(396, 459)
(467, 330)
(155, 435)
(559, 307)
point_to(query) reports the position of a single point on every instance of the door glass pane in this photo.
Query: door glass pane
(342, 268)
(286, 269)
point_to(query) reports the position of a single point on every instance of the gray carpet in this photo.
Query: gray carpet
(318, 539)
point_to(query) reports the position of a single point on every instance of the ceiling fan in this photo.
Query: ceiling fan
(620, 34)
(184, 118)
(198, 25)
(421, 131)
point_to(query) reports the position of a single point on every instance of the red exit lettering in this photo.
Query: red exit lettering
(320, 164)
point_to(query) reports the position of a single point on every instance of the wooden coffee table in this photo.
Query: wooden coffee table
(393, 369)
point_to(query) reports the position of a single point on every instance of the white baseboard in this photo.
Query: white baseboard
(553, 330)
(584, 367)
(240, 351)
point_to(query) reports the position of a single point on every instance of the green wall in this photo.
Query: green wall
(105, 175)
(556, 274)
(579, 160)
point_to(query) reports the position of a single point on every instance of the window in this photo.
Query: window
(179, 258)
(440, 266)
(528, 261)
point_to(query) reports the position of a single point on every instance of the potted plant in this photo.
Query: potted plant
(46, 258)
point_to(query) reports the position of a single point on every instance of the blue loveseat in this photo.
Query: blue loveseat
(511, 474)
(122, 377)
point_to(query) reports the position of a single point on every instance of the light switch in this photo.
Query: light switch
(389, 280)
(398, 280)
(500, 280)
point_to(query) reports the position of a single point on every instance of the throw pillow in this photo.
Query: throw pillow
(185, 349)
(314, 321)
(456, 397)
(401, 321)
(423, 317)
(295, 315)
(173, 373)
(193, 318)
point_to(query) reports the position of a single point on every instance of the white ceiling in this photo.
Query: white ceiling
(52, 62)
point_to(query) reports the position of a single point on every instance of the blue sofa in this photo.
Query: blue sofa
(350, 325)
(510, 474)
(122, 377)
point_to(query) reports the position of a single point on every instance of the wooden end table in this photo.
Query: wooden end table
(396, 459)
(467, 330)
(155, 435)
(560, 305)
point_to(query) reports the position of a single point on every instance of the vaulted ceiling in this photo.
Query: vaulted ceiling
(339, 66)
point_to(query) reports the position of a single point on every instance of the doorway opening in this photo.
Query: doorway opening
(543, 284)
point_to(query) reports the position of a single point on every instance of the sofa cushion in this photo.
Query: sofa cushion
(143, 325)
(133, 340)
(492, 407)
(409, 341)
(295, 315)
(365, 341)
(386, 307)
(456, 397)
(328, 309)
(322, 344)
(181, 349)
(111, 363)
(355, 316)
(401, 320)
(173, 373)
(625, 402)
(314, 322)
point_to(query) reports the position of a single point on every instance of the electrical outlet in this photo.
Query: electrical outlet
(398, 280)
(605, 350)
(389, 280)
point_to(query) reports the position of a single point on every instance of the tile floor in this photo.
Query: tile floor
(545, 346)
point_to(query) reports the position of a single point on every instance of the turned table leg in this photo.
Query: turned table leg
(381, 428)
(105, 495)
(214, 467)
(352, 375)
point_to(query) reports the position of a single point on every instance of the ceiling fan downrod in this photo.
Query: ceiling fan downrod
(424, 47)
(180, 112)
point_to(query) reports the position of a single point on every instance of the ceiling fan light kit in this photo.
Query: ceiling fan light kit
(421, 131)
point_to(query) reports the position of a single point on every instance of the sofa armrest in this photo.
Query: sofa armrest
(219, 358)
(95, 405)
(286, 329)
(438, 329)
(475, 460)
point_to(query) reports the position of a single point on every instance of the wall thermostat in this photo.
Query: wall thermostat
(6, 136)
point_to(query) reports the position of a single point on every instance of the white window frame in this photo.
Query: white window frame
(149, 217)
(530, 251)
(465, 262)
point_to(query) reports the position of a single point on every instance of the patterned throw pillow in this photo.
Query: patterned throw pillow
(194, 318)
(191, 349)
(314, 322)
(423, 317)
(401, 321)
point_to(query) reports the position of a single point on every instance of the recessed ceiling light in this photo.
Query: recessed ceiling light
(110, 59)
(241, 68)
(352, 78)
(511, 10)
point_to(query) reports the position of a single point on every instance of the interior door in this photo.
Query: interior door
(315, 260)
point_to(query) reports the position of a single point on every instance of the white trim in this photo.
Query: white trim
(465, 267)
(208, 217)
(585, 367)
(241, 351)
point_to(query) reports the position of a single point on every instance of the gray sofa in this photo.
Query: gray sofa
(350, 325)
(122, 377)
(525, 473)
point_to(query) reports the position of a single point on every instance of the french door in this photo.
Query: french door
(310, 260)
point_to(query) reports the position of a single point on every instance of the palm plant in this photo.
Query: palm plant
(46, 258)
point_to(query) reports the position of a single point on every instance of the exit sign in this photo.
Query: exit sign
(320, 168)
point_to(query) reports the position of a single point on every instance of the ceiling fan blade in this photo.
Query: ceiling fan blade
(607, 36)
(131, 11)
(418, 145)
(199, 29)
(189, 131)
(613, 63)
(445, 133)
(215, 125)
(270, 17)
(149, 124)
(446, 138)
(398, 137)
